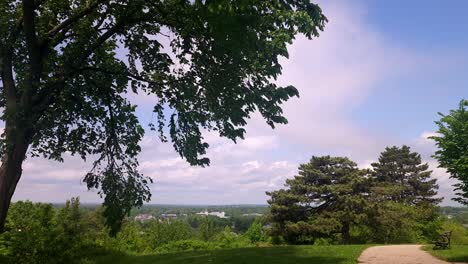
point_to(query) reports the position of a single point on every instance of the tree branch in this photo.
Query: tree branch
(129, 74)
(103, 38)
(31, 39)
(73, 18)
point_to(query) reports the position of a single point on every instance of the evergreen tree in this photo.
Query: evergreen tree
(327, 197)
(400, 176)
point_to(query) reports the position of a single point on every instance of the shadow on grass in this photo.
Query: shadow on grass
(270, 255)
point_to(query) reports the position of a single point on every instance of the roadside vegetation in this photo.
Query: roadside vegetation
(457, 253)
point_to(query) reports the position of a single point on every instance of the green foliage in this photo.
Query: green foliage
(65, 88)
(186, 245)
(393, 222)
(207, 228)
(327, 197)
(36, 233)
(40, 233)
(331, 198)
(452, 141)
(255, 232)
(400, 176)
(160, 233)
(459, 232)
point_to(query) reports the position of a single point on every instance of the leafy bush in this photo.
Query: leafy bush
(36, 234)
(229, 239)
(255, 232)
(186, 245)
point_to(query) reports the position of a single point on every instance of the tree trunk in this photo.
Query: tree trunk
(345, 236)
(10, 173)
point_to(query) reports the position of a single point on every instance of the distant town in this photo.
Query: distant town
(143, 217)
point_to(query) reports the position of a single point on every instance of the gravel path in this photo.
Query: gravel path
(398, 254)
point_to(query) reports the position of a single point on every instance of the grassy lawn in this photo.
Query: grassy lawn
(270, 255)
(457, 253)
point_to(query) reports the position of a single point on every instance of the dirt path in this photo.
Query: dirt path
(398, 254)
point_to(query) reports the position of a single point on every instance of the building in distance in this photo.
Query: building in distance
(144, 217)
(217, 214)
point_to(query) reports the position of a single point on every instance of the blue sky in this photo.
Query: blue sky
(376, 77)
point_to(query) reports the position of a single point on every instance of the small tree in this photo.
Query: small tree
(255, 232)
(207, 229)
(452, 141)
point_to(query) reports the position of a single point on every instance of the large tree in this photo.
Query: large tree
(452, 141)
(327, 197)
(401, 176)
(67, 67)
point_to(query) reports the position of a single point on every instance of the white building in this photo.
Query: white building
(143, 217)
(217, 214)
(252, 214)
(168, 216)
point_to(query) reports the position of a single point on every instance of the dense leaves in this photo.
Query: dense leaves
(38, 233)
(68, 68)
(332, 199)
(325, 198)
(452, 141)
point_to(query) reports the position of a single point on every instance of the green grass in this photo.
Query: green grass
(457, 253)
(261, 255)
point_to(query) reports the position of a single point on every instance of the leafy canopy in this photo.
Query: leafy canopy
(68, 67)
(452, 141)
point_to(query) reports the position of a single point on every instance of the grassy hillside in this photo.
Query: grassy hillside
(457, 253)
(266, 255)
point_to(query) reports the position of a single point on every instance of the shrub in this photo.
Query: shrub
(229, 239)
(255, 232)
(36, 234)
(186, 245)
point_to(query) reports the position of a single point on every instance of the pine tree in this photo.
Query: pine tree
(327, 197)
(400, 176)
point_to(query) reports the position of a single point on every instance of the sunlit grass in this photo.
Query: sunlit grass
(457, 253)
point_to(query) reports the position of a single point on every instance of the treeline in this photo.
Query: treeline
(331, 200)
(230, 210)
(43, 233)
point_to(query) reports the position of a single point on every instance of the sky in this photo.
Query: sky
(376, 77)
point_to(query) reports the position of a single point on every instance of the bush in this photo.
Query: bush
(186, 245)
(229, 239)
(255, 233)
(36, 234)
(276, 240)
